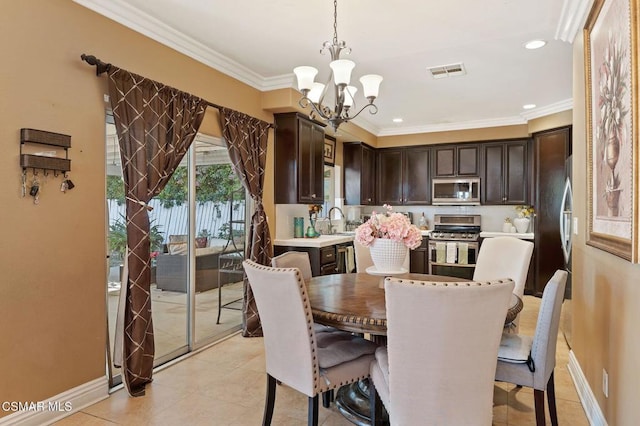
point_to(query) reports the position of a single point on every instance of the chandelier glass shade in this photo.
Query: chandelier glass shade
(313, 93)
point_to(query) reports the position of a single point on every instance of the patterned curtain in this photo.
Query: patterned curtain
(246, 138)
(155, 125)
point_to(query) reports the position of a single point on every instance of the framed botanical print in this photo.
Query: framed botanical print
(611, 74)
(329, 150)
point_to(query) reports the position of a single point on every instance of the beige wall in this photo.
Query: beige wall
(606, 292)
(52, 256)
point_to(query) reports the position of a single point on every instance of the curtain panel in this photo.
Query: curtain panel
(246, 138)
(155, 125)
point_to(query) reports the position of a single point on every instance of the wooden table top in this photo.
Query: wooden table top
(356, 302)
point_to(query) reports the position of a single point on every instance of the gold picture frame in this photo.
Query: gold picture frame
(329, 150)
(611, 75)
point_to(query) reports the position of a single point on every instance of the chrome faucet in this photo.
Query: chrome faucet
(329, 216)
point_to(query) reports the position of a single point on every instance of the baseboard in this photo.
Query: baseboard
(57, 407)
(587, 398)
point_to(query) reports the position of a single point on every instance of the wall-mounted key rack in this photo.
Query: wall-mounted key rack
(45, 162)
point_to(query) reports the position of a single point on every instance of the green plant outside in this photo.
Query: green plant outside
(118, 237)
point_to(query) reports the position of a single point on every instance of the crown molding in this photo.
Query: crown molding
(572, 18)
(523, 118)
(561, 106)
(130, 17)
(446, 127)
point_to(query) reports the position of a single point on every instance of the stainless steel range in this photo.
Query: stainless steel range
(454, 245)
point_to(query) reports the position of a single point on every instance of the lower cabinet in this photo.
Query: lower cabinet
(419, 258)
(323, 259)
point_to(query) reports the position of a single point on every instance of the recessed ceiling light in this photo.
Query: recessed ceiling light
(528, 106)
(398, 120)
(535, 44)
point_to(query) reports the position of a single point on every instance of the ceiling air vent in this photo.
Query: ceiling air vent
(443, 71)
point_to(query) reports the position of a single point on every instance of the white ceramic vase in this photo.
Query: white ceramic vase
(388, 255)
(521, 224)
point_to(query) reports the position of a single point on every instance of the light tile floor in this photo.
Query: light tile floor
(225, 385)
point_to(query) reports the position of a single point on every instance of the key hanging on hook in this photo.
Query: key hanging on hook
(69, 185)
(24, 183)
(35, 190)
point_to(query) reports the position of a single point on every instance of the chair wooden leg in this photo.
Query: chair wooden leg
(551, 399)
(538, 397)
(270, 401)
(313, 411)
(326, 399)
(375, 405)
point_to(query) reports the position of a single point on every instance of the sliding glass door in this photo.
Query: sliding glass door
(190, 224)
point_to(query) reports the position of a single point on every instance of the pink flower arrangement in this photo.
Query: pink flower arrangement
(389, 225)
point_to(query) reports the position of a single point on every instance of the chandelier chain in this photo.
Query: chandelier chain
(335, 22)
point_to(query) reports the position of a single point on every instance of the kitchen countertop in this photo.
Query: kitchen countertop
(321, 241)
(525, 236)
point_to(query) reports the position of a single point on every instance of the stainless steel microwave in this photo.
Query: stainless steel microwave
(455, 191)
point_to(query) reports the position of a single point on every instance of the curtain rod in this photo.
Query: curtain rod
(102, 67)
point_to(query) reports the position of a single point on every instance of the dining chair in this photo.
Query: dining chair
(505, 257)
(363, 257)
(530, 361)
(294, 259)
(297, 356)
(442, 342)
(300, 260)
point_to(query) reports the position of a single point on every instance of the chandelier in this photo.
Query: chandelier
(313, 93)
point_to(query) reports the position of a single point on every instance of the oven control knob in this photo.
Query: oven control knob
(452, 235)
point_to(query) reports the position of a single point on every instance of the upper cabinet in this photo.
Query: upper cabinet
(299, 160)
(359, 173)
(403, 176)
(505, 172)
(456, 160)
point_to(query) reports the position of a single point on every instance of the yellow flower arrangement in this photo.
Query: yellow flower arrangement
(524, 211)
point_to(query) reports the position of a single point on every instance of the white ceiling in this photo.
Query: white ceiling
(260, 42)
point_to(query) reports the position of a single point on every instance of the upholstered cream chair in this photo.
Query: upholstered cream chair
(505, 257)
(309, 362)
(300, 260)
(530, 361)
(442, 343)
(294, 259)
(363, 257)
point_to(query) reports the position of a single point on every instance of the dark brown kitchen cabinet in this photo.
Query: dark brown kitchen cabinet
(419, 258)
(505, 172)
(456, 160)
(403, 176)
(323, 259)
(359, 162)
(299, 160)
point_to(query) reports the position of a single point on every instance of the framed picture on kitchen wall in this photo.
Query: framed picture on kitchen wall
(611, 74)
(329, 150)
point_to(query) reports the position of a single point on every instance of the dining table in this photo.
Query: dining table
(355, 302)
